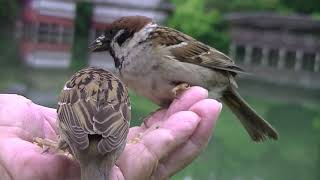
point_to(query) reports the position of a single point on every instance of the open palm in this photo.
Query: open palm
(170, 140)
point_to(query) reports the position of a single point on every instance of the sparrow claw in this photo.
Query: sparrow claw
(179, 89)
(57, 147)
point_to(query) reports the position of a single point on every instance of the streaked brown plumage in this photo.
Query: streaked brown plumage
(158, 61)
(93, 119)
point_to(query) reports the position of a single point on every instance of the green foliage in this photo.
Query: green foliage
(203, 19)
(316, 16)
(81, 35)
(8, 10)
(9, 51)
(192, 18)
(244, 5)
(306, 7)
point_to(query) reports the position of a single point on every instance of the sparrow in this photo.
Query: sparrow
(93, 119)
(159, 63)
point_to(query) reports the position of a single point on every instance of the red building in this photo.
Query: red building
(46, 28)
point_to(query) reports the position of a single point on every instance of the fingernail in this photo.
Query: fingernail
(220, 106)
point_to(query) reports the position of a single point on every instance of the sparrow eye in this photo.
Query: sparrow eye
(111, 33)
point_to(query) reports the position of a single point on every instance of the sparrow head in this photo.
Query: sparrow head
(119, 31)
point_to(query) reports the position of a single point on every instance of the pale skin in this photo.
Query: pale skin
(173, 139)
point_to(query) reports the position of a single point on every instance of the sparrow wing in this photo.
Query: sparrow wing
(186, 49)
(94, 102)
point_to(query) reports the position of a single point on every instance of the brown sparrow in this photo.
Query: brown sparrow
(159, 62)
(93, 120)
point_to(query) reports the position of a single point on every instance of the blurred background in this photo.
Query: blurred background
(42, 42)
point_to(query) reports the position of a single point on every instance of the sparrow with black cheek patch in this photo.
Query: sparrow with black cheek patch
(159, 62)
(93, 120)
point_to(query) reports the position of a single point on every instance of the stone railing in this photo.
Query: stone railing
(280, 49)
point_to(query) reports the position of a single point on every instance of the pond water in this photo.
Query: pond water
(230, 155)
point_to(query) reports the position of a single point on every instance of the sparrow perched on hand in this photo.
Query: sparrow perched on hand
(93, 119)
(159, 62)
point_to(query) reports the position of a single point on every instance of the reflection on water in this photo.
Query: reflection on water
(230, 155)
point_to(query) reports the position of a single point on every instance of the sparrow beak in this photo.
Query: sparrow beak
(100, 44)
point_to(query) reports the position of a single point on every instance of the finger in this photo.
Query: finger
(183, 103)
(41, 122)
(30, 163)
(12, 109)
(187, 99)
(133, 132)
(20, 115)
(49, 118)
(10, 131)
(176, 130)
(154, 118)
(156, 145)
(208, 110)
(12, 99)
(116, 173)
(209, 115)
(48, 112)
(17, 111)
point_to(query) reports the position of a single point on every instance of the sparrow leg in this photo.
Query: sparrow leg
(179, 89)
(45, 144)
(64, 148)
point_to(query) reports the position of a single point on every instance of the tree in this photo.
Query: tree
(192, 18)
(81, 35)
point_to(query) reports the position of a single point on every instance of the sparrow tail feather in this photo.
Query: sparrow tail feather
(258, 129)
(96, 169)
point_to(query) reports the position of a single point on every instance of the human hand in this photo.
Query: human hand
(173, 138)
